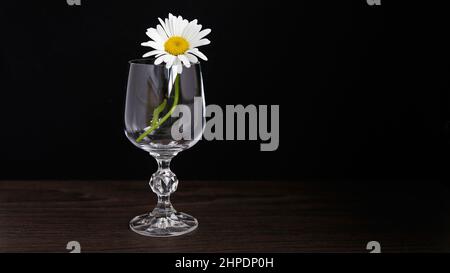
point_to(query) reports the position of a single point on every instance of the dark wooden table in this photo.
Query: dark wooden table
(245, 216)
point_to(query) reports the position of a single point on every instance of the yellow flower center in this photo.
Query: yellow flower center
(176, 45)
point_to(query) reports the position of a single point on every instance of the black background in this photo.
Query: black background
(362, 89)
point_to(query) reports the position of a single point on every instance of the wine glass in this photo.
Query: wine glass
(155, 95)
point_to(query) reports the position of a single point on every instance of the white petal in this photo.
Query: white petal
(185, 60)
(202, 42)
(165, 27)
(176, 63)
(162, 32)
(153, 44)
(174, 23)
(153, 52)
(172, 26)
(169, 23)
(160, 59)
(192, 27)
(167, 58)
(170, 60)
(179, 22)
(194, 32)
(179, 69)
(180, 25)
(192, 58)
(153, 34)
(184, 24)
(203, 33)
(171, 17)
(174, 71)
(189, 28)
(197, 52)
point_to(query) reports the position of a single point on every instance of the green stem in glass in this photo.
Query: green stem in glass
(156, 123)
(158, 111)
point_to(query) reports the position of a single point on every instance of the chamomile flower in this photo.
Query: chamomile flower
(175, 41)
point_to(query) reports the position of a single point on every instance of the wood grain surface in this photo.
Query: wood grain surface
(234, 216)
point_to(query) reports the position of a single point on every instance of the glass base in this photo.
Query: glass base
(174, 224)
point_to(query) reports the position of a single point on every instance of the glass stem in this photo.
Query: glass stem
(163, 182)
(164, 164)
